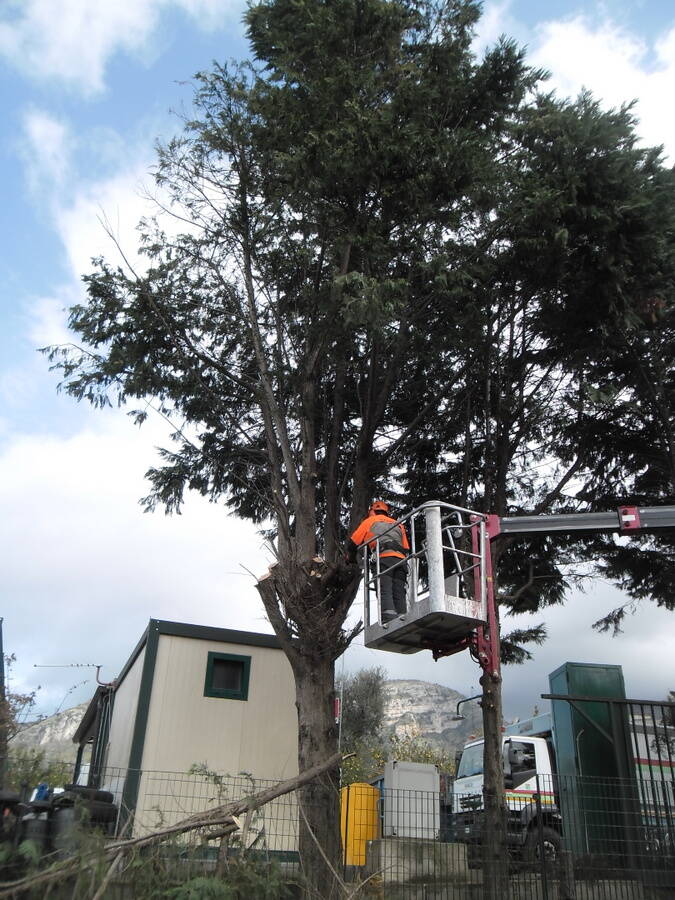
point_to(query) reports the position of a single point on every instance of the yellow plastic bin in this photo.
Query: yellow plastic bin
(359, 821)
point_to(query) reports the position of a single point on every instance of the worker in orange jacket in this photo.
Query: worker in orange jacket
(393, 547)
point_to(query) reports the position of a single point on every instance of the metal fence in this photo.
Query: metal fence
(165, 798)
(158, 801)
(568, 838)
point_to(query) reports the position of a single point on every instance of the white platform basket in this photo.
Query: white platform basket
(444, 612)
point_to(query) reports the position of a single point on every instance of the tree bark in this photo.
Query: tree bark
(495, 852)
(307, 604)
(318, 734)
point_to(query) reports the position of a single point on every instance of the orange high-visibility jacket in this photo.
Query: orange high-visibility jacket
(393, 541)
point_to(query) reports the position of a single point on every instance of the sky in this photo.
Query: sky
(86, 93)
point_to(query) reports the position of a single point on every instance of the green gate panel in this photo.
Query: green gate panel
(591, 756)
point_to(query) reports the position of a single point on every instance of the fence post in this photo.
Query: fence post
(346, 834)
(540, 839)
(566, 885)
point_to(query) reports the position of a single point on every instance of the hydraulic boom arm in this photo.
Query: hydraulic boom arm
(625, 519)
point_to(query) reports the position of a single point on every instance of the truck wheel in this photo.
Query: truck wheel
(546, 838)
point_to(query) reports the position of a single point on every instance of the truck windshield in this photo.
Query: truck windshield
(471, 762)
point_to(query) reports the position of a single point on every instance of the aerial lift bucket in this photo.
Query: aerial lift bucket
(445, 586)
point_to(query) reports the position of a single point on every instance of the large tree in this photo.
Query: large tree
(561, 363)
(317, 185)
(563, 393)
(398, 272)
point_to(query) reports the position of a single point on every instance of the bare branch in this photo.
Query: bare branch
(219, 815)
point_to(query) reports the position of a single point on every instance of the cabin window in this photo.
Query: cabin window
(522, 765)
(227, 676)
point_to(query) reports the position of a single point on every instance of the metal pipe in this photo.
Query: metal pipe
(434, 548)
(366, 588)
(453, 547)
(458, 717)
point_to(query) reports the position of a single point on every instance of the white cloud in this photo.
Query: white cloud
(114, 204)
(84, 568)
(83, 210)
(599, 55)
(74, 45)
(47, 317)
(616, 66)
(88, 566)
(496, 20)
(73, 42)
(210, 14)
(17, 388)
(47, 149)
(93, 215)
(88, 214)
(42, 323)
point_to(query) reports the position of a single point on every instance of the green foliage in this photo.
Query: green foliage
(412, 747)
(511, 645)
(169, 872)
(218, 780)
(370, 756)
(402, 269)
(18, 861)
(29, 766)
(165, 871)
(15, 707)
(362, 711)
(362, 719)
(364, 764)
(29, 852)
(562, 355)
(241, 881)
(202, 888)
(332, 177)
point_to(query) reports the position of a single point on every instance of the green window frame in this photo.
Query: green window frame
(243, 663)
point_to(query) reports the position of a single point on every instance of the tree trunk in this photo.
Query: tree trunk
(306, 604)
(319, 842)
(495, 853)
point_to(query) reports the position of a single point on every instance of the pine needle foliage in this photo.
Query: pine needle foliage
(382, 265)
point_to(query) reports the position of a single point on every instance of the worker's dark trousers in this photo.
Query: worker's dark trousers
(392, 584)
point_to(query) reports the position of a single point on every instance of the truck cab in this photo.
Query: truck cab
(529, 783)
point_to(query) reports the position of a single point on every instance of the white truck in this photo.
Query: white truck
(534, 824)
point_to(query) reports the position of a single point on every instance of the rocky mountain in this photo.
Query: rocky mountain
(52, 735)
(412, 707)
(428, 710)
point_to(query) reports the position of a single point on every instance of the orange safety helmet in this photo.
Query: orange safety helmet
(380, 506)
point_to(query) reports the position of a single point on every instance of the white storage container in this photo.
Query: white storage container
(411, 800)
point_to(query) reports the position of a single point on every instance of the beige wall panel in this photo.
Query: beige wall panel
(122, 727)
(269, 741)
(166, 798)
(124, 715)
(258, 735)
